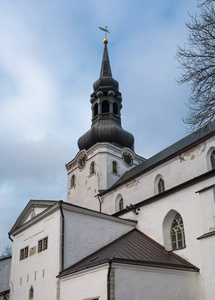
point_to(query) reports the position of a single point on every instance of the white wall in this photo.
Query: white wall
(154, 283)
(85, 233)
(174, 172)
(86, 185)
(88, 284)
(40, 269)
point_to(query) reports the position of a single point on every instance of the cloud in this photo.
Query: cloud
(50, 55)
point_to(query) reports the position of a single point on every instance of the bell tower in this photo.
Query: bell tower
(106, 150)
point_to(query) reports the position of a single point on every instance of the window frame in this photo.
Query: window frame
(212, 159)
(24, 253)
(72, 181)
(161, 186)
(177, 234)
(42, 244)
(92, 168)
(114, 167)
(121, 204)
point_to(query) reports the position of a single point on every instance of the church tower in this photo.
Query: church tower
(106, 150)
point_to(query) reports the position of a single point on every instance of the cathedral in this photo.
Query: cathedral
(131, 228)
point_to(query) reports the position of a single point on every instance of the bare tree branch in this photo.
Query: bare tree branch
(197, 60)
(7, 252)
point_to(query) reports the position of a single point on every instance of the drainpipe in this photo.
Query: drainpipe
(10, 237)
(108, 279)
(62, 236)
(100, 202)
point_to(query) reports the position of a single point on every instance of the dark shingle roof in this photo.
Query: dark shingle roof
(5, 264)
(132, 248)
(166, 154)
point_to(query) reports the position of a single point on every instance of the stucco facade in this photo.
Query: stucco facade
(132, 228)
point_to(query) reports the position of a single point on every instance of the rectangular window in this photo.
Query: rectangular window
(43, 244)
(23, 253)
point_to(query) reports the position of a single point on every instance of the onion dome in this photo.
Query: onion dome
(106, 111)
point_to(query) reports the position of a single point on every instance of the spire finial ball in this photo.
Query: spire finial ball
(105, 41)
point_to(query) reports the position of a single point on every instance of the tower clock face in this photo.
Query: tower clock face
(82, 161)
(127, 158)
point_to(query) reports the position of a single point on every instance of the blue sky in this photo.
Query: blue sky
(50, 56)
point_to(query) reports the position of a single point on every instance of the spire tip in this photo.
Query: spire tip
(105, 41)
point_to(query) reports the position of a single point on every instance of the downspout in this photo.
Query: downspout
(10, 237)
(100, 202)
(62, 235)
(108, 279)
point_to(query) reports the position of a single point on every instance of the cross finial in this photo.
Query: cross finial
(106, 31)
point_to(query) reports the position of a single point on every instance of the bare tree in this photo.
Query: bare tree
(197, 59)
(7, 252)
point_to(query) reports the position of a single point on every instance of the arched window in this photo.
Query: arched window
(115, 108)
(114, 167)
(72, 181)
(105, 106)
(121, 204)
(95, 110)
(31, 293)
(92, 168)
(213, 160)
(177, 233)
(161, 187)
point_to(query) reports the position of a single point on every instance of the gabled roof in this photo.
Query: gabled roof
(177, 148)
(134, 248)
(48, 206)
(5, 264)
(44, 204)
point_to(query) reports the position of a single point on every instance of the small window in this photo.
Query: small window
(121, 204)
(43, 244)
(213, 160)
(72, 181)
(105, 106)
(161, 187)
(95, 110)
(114, 167)
(177, 233)
(23, 253)
(115, 108)
(92, 168)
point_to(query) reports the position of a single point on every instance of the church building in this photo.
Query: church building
(132, 228)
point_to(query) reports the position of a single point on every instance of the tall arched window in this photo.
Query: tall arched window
(31, 293)
(72, 181)
(213, 160)
(114, 167)
(161, 187)
(95, 110)
(121, 204)
(115, 108)
(92, 168)
(177, 233)
(105, 106)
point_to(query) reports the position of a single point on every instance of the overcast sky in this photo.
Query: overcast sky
(50, 56)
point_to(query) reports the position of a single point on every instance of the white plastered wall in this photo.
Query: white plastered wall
(174, 172)
(154, 283)
(87, 185)
(40, 269)
(85, 285)
(85, 234)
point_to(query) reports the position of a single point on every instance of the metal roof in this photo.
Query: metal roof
(182, 145)
(134, 248)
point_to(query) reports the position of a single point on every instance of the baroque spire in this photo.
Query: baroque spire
(106, 111)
